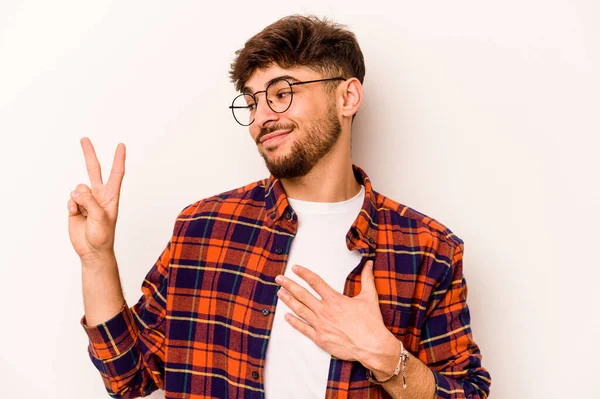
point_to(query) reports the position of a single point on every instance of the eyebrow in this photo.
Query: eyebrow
(248, 90)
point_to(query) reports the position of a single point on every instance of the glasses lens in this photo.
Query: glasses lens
(279, 95)
(243, 109)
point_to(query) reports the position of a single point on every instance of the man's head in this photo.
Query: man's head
(285, 58)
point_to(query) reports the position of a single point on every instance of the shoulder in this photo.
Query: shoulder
(225, 202)
(395, 215)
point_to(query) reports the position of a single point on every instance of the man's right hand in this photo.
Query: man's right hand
(93, 212)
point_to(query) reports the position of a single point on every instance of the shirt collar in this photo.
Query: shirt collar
(362, 234)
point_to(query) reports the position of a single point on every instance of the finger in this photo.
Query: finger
(91, 162)
(82, 188)
(87, 204)
(297, 291)
(301, 326)
(316, 282)
(73, 208)
(367, 279)
(301, 310)
(118, 169)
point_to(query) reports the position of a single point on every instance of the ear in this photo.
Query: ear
(351, 97)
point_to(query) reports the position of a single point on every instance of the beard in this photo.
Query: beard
(321, 136)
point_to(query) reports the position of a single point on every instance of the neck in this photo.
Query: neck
(330, 180)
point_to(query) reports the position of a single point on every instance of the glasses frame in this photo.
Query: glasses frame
(233, 107)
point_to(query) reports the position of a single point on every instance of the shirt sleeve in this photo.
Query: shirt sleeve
(447, 345)
(128, 350)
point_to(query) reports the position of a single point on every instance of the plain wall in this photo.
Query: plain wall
(482, 115)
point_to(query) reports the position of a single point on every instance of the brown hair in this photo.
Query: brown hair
(323, 46)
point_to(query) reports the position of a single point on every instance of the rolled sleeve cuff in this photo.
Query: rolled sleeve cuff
(447, 388)
(114, 337)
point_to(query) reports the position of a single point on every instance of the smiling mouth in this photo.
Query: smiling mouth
(273, 138)
(273, 135)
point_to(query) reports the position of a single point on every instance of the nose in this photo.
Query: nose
(264, 114)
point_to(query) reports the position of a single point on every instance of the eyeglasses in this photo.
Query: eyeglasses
(279, 95)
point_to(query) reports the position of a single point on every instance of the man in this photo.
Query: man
(306, 284)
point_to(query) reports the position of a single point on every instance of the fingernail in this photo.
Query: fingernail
(75, 193)
(279, 279)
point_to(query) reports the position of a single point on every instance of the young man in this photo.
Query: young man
(307, 284)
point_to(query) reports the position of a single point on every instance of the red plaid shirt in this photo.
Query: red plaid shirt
(202, 325)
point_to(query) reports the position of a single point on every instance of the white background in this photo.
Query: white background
(483, 115)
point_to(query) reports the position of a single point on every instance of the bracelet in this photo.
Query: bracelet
(401, 362)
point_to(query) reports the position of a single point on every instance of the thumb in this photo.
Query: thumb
(86, 200)
(367, 279)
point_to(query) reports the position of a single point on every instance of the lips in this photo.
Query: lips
(273, 135)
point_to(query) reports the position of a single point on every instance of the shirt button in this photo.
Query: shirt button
(288, 216)
(278, 251)
(265, 312)
(273, 215)
(371, 240)
(255, 375)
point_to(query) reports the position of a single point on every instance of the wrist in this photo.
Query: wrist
(98, 260)
(383, 360)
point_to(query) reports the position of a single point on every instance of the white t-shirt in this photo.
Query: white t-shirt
(295, 367)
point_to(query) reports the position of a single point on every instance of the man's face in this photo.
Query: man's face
(293, 142)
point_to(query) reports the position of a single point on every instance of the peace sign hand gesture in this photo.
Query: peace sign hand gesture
(93, 212)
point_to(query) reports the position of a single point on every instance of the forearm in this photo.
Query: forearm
(102, 293)
(115, 330)
(420, 382)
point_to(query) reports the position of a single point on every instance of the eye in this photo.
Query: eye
(283, 94)
(250, 105)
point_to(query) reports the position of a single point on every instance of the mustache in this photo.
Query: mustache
(273, 128)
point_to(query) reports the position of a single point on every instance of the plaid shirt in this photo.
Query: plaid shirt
(202, 325)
